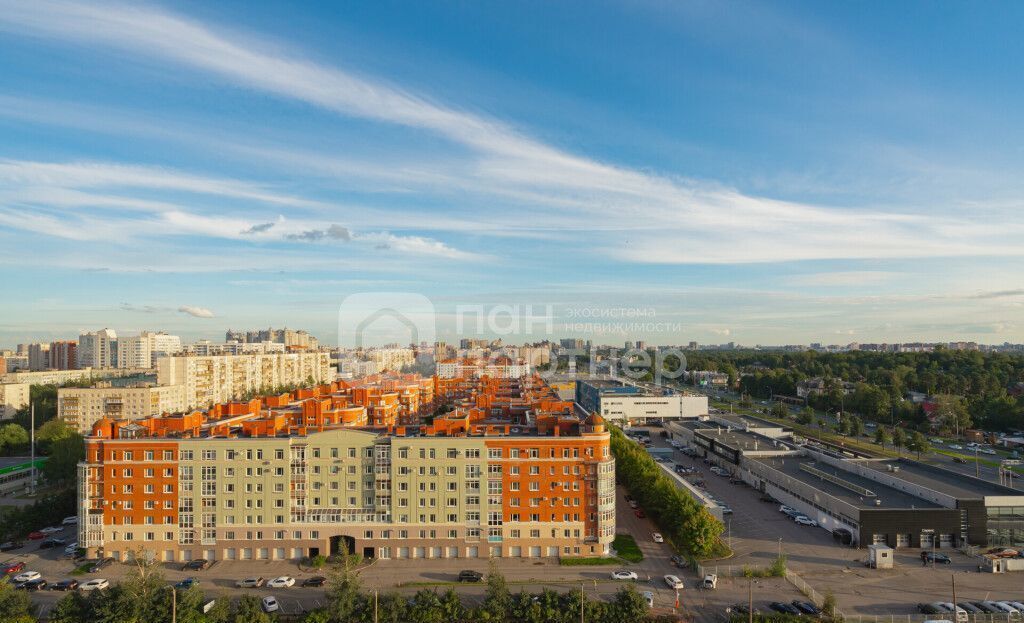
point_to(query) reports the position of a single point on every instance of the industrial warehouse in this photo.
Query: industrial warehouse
(862, 500)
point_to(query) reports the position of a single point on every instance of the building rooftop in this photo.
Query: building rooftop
(739, 439)
(843, 485)
(945, 481)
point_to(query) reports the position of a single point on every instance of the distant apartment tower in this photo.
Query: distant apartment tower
(220, 378)
(142, 351)
(64, 355)
(392, 358)
(97, 349)
(38, 357)
(571, 343)
(286, 336)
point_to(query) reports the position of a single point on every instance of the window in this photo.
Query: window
(168, 455)
(209, 455)
(494, 453)
(149, 455)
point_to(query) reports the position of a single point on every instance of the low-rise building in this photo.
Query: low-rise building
(628, 403)
(496, 367)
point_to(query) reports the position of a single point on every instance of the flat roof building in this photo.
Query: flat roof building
(631, 403)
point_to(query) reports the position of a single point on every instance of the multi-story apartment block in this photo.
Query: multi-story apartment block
(81, 407)
(142, 351)
(38, 357)
(64, 355)
(219, 378)
(393, 359)
(497, 367)
(13, 396)
(97, 349)
(521, 474)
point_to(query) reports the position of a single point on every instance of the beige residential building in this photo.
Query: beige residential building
(81, 407)
(142, 351)
(219, 378)
(97, 349)
(13, 396)
(392, 358)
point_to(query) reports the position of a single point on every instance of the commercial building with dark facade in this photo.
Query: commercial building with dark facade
(899, 502)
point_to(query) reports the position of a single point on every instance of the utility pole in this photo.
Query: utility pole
(750, 600)
(374, 605)
(977, 465)
(583, 600)
(956, 606)
(32, 446)
(780, 547)
(174, 604)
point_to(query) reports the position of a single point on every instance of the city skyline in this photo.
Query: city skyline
(757, 174)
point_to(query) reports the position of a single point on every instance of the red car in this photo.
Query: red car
(35, 536)
(14, 567)
(639, 513)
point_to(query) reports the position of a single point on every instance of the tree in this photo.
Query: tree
(856, 427)
(899, 438)
(344, 601)
(15, 605)
(951, 414)
(50, 432)
(806, 416)
(425, 607)
(451, 606)
(65, 453)
(629, 605)
(919, 443)
(497, 598)
(881, 437)
(13, 438)
(249, 610)
(780, 411)
(391, 608)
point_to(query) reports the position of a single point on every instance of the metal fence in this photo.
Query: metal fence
(920, 618)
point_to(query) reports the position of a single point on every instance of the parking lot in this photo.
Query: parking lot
(757, 532)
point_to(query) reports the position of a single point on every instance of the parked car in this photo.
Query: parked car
(930, 609)
(11, 545)
(95, 584)
(282, 582)
(64, 585)
(14, 567)
(726, 510)
(196, 565)
(673, 582)
(1004, 608)
(70, 521)
(250, 583)
(804, 520)
(1016, 604)
(959, 459)
(710, 581)
(270, 604)
(658, 538)
(624, 575)
(985, 607)
(52, 529)
(315, 581)
(51, 543)
(678, 561)
(955, 446)
(37, 584)
(639, 513)
(806, 607)
(468, 575)
(186, 584)
(36, 535)
(633, 504)
(784, 608)
(787, 509)
(100, 564)
(935, 557)
(27, 576)
(648, 598)
(970, 608)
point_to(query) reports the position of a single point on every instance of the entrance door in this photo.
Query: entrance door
(927, 540)
(902, 540)
(946, 541)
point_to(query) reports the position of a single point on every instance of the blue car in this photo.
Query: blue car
(186, 584)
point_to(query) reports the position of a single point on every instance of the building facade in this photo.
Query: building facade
(627, 403)
(142, 351)
(98, 349)
(393, 359)
(306, 474)
(13, 396)
(211, 379)
(82, 407)
(64, 355)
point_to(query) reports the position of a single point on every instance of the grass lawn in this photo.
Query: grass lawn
(627, 549)
(581, 562)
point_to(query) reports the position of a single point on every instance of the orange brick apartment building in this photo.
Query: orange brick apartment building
(509, 471)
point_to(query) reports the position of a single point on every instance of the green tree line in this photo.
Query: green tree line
(684, 521)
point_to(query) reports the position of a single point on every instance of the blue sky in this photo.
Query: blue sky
(752, 172)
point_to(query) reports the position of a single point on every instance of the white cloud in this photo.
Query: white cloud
(641, 217)
(844, 278)
(198, 312)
